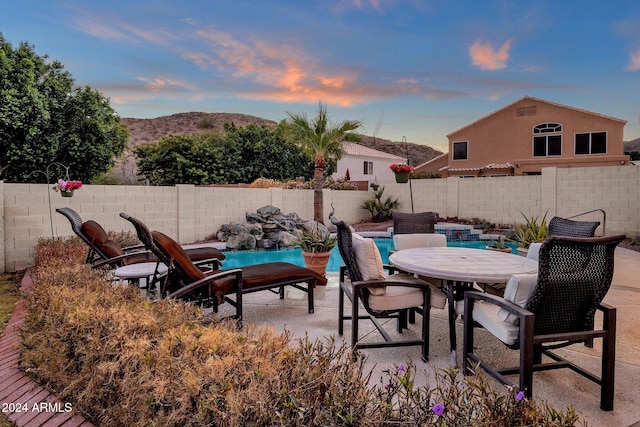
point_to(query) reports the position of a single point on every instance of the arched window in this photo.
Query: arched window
(547, 139)
(548, 128)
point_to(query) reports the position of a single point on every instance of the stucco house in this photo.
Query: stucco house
(529, 134)
(366, 164)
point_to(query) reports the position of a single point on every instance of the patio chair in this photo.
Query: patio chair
(185, 280)
(412, 223)
(567, 227)
(362, 279)
(102, 250)
(208, 256)
(550, 310)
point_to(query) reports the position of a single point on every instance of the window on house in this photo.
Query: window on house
(548, 128)
(460, 150)
(591, 143)
(368, 168)
(548, 145)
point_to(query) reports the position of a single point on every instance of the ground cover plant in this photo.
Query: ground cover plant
(121, 359)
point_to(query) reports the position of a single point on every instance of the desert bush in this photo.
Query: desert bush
(124, 360)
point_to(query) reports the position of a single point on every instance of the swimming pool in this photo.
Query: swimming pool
(237, 259)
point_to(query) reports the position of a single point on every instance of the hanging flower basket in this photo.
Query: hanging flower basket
(402, 172)
(402, 177)
(66, 188)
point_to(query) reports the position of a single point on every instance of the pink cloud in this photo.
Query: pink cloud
(486, 57)
(634, 65)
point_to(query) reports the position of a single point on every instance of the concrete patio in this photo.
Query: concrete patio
(560, 388)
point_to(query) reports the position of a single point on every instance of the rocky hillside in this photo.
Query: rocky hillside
(147, 131)
(632, 145)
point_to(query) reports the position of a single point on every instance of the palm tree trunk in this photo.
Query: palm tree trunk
(318, 175)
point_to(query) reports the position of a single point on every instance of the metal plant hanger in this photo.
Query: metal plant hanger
(406, 153)
(47, 174)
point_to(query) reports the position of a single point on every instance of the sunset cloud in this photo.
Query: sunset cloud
(634, 65)
(486, 57)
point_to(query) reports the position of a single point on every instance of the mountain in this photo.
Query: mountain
(149, 131)
(632, 145)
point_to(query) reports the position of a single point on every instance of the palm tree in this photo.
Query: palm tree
(321, 140)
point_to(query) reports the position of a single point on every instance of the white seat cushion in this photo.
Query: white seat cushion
(369, 261)
(519, 289)
(487, 315)
(398, 297)
(419, 240)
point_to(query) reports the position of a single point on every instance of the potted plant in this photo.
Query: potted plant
(316, 243)
(402, 172)
(499, 245)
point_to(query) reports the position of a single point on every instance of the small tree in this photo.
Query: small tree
(321, 140)
(44, 119)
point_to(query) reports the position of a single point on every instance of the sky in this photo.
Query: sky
(409, 69)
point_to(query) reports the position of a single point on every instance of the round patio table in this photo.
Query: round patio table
(140, 271)
(461, 268)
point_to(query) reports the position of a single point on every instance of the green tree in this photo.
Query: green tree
(45, 119)
(242, 155)
(321, 140)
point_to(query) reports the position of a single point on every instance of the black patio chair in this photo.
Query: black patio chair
(362, 280)
(567, 227)
(413, 223)
(554, 309)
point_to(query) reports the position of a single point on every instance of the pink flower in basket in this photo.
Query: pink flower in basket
(67, 186)
(399, 168)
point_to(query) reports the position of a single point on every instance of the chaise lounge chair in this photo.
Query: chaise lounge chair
(185, 280)
(102, 250)
(200, 255)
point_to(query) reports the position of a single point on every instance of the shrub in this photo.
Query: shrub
(124, 360)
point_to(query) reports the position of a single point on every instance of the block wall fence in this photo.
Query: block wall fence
(189, 213)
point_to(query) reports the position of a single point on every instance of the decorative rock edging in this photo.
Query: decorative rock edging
(22, 400)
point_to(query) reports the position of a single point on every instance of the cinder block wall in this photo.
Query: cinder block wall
(190, 213)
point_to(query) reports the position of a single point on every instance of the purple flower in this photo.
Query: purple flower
(519, 396)
(402, 368)
(387, 386)
(438, 409)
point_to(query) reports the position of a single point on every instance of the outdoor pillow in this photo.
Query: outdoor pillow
(519, 289)
(369, 261)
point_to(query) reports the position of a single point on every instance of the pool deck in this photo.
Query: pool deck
(560, 388)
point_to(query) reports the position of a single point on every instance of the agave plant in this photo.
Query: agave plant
(316, 239)
(532, 231)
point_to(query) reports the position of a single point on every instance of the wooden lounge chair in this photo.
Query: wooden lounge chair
(102, 250)
(550, 310)
(185, 280)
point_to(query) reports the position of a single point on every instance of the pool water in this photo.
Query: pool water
(237, 259)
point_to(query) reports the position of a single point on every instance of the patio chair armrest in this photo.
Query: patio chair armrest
(390, 282)
(118, 258)
(206, 280)
(496, 300)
